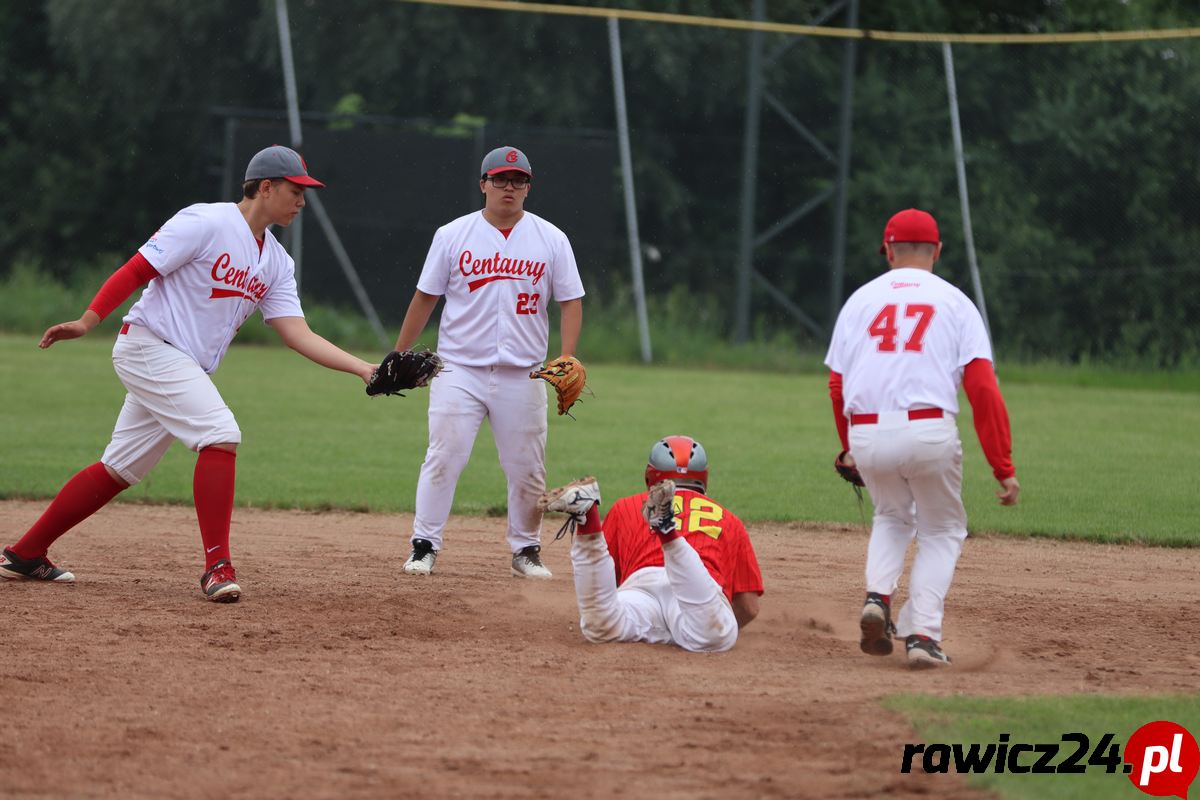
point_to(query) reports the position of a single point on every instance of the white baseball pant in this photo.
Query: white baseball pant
(169, 397)
(678, 603)
(459, 399)
(913, 471)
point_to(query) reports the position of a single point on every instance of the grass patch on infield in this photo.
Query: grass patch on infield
(1105, 464)
(1038, 720)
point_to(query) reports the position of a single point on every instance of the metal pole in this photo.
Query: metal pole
(741, 326)
(838, 276)
(631, 222)
(961, 169)
(296, 229)
(228, 172)
(343, 258)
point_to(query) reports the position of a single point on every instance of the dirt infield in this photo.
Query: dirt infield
(336, 676)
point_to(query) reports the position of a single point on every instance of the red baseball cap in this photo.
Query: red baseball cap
(911, 225)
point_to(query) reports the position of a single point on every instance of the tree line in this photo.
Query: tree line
(1081, 159)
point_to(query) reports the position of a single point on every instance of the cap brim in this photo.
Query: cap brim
(498, 170)
(304, 180)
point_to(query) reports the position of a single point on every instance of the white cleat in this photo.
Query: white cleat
(575, 500)
(420, 561)
(527, 563)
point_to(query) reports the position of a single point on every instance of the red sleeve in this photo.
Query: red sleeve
(839, 408)
(746, 575)
(133, 275)
(991, 417)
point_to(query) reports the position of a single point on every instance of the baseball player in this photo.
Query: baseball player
(901, 346)
(672, 566)
(498, 268)
(209, 268)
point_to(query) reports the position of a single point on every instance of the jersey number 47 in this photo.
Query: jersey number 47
(884, 328)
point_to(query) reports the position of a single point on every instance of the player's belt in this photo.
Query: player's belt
(916, 413)
(125, 330)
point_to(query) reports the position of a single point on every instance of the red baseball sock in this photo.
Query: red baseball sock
(83, 495)
(592, 523)
(212, 488)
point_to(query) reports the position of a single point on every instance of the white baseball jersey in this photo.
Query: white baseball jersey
(213, 278)
(901, 342)
(497, 290)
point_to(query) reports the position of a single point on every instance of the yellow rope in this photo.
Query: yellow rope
(816, 30)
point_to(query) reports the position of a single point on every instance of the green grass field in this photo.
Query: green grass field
(1102, 457)
(1044, 720)
(1095, 463)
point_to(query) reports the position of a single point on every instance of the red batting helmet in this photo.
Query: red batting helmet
(680, 458)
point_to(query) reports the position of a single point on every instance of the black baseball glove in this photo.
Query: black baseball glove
(847, 472)
(404, 370)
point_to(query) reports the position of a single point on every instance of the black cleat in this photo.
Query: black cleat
(876, 625)
(15, 568)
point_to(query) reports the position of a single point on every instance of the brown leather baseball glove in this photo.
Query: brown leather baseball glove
(567, 376)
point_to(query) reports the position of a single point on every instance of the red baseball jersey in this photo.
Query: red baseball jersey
(712, 530)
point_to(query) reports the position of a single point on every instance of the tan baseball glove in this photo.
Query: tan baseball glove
(567, 376)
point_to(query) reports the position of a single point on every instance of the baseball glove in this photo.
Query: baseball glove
(567, 376)
(847, 472)
(659, 508)
(404, 370)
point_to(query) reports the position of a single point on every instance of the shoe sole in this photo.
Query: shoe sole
(518, 574)
(549, 497)
(919, 659)
(409, 569)
(875, 641)
(228, 594)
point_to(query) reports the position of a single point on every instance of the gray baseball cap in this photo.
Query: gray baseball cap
(505, 159)
(278, 161)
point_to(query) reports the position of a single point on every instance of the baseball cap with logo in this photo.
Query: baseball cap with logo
(910, 225)
(505, 159)
(278, 161)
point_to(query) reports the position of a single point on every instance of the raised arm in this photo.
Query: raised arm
(296, 334)
(415, 319)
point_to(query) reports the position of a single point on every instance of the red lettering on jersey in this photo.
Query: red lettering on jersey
(883, 327)
(246, 287)
(498, 268)
(925, 313)
(220, 267)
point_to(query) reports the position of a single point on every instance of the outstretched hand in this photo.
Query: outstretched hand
(1008, 496)
(69, 330)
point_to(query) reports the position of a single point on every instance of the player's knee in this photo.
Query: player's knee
(228, 447)
(117, 477)
(714, 632)
(599, 630)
